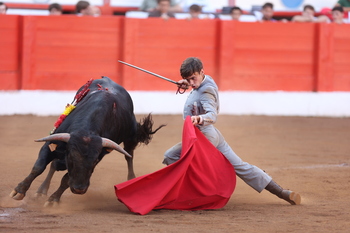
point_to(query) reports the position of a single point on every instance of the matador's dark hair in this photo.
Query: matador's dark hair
(190, 66)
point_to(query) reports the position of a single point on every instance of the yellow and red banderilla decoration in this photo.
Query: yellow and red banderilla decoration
(69, 108)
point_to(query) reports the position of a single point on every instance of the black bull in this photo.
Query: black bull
(103, 119)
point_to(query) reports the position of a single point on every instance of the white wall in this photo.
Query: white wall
(26, 12)
(326, 104)
(126, 3)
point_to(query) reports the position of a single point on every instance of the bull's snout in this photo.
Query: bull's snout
(78, 190)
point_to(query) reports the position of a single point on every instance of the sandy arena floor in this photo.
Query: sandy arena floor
(305, 154)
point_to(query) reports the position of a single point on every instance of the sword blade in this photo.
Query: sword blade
(149, 72)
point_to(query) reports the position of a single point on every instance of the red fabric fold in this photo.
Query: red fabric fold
(201, 179)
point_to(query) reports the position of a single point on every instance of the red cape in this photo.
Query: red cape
(201, 179)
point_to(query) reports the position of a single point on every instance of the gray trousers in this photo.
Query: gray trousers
(250, 174)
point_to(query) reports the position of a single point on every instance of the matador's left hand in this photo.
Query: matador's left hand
(195, 120)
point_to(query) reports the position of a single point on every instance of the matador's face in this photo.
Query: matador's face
(195, 79)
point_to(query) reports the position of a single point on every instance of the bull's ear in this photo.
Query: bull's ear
(52, 147)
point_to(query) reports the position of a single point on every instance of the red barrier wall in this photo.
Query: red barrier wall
(333, 59)
(267, 56)
(161, 45)
(10, 30)
(63, 52)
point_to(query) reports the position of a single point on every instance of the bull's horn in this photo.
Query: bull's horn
(110, 144)
(58, 136)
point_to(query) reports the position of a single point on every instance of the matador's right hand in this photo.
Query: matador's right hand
(183, 84)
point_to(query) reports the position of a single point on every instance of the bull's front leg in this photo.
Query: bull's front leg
(43, 160)
(44, 187)
(56, 165)
(54, 199)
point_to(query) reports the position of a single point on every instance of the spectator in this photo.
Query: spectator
(267, 12)
(308, 15)
(344, 3)
(55, 9)
(236, 13)
(151, 5)
(338, 15)
(326, 11)
(96, 11)
(195, 11)
(83, 8)
(163, 10)
(3, 8)
(206, 5)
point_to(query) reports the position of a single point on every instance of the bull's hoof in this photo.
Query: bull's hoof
(38, 195)
(17, 196)
(51, 204)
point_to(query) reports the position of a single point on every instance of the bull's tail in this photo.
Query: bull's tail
(144, 130)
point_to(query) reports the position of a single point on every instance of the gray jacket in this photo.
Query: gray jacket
(204, 102)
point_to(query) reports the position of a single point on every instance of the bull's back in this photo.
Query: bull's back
(106, 84)
(106, 108)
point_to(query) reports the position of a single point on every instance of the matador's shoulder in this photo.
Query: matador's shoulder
(209, 86)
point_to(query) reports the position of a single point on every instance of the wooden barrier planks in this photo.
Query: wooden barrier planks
(333, 58)
(341, 65)
(10, 34)
(160, 46)
(63, 52)
(267, 56)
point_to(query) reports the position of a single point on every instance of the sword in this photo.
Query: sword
(158, 76)
(149, 72)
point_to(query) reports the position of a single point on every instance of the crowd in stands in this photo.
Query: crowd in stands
(168, 8)
(198, 9)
